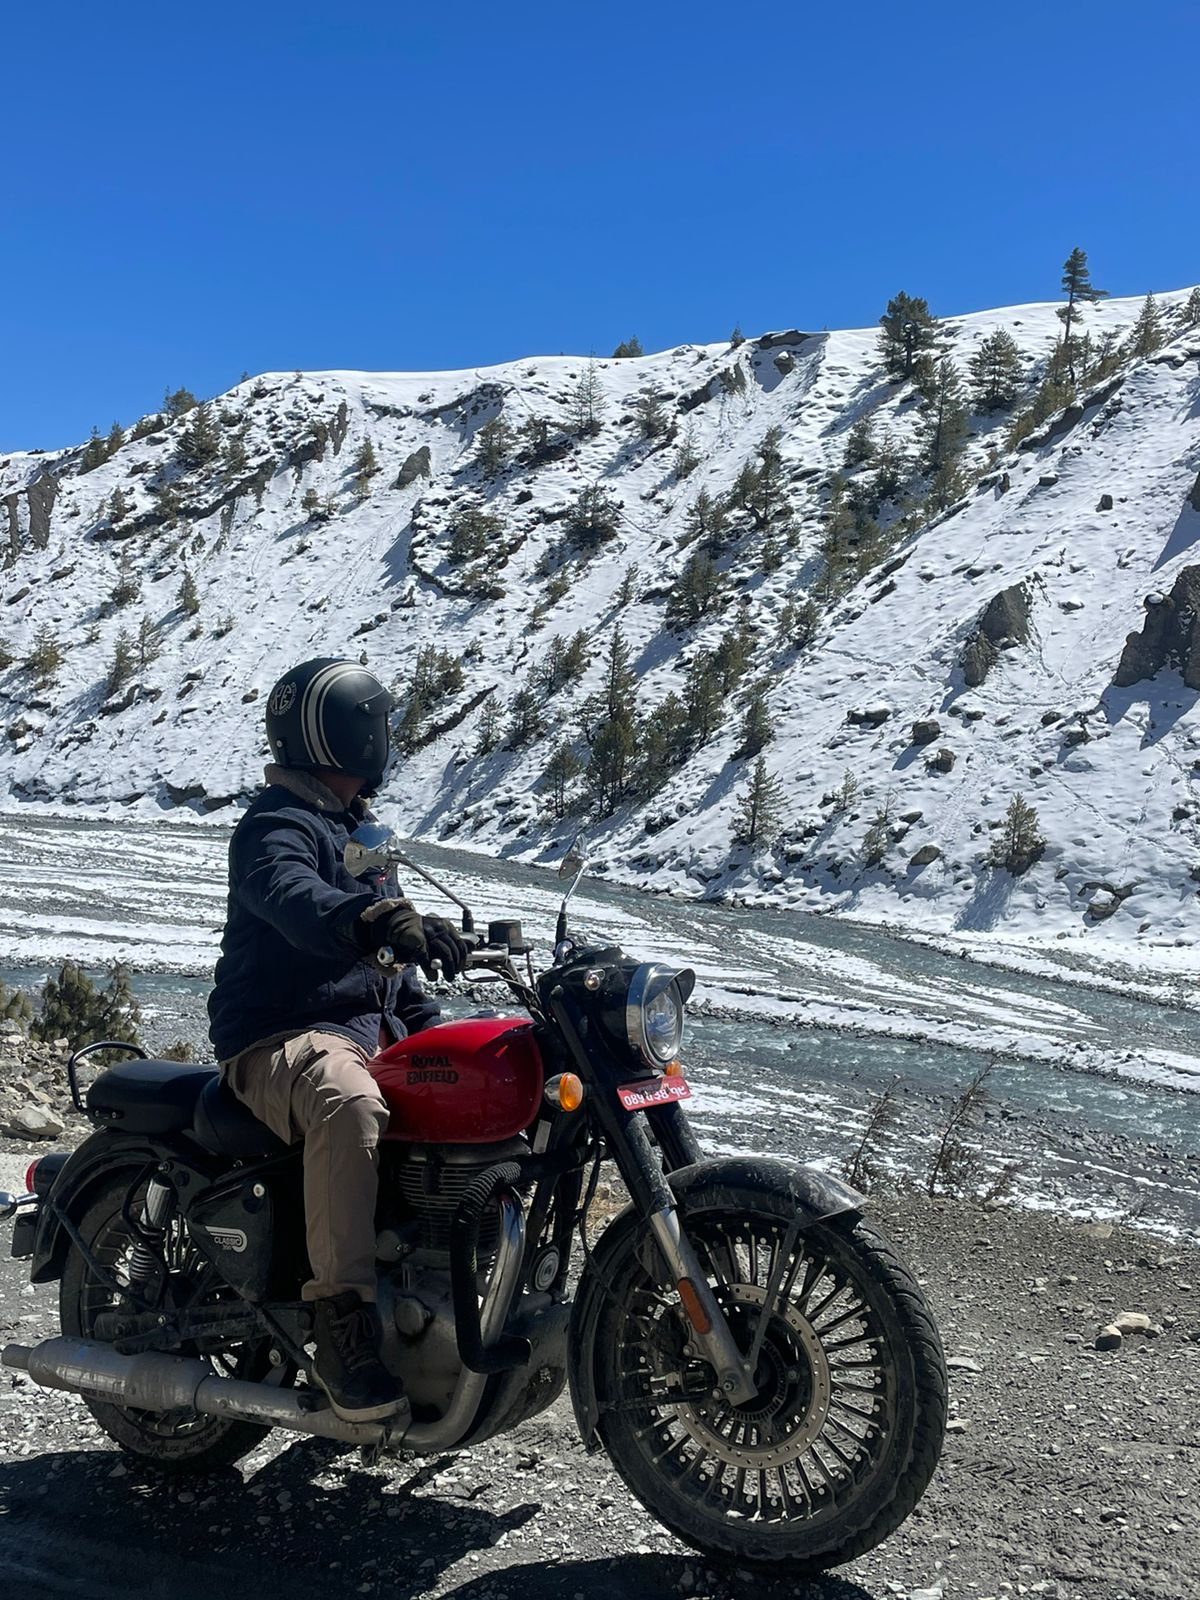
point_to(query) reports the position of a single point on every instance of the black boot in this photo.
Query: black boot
(348, 1368)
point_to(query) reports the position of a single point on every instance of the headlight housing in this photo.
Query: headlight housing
(654, 1008)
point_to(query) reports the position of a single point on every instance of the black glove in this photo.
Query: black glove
(396, 923)
(444, 944)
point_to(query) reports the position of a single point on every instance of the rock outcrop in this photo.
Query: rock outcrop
(1170, 636)
(1005, 618)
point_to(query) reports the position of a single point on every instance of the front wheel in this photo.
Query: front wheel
(845, 1431)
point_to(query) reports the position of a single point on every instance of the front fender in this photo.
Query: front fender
(816, 1196)
(96, 1159)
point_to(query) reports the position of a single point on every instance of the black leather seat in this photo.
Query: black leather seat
(223, 1126)
(148, 1096)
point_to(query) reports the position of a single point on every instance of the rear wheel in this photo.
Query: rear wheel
(182, 1441)
(844, 1433)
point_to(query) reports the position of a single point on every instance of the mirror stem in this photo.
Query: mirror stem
(468, 921)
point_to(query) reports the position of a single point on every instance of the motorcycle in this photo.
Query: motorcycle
(759, 1365)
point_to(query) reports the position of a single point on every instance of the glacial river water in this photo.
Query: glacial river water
(800, 1018)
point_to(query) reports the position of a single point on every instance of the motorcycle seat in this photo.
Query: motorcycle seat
(223, 1126)
(148, 1096)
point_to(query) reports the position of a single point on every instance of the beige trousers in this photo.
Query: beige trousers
(315, 1087)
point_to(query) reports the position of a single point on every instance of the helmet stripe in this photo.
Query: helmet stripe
(311, 709)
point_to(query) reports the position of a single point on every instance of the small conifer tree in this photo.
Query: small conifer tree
(687, 453)
(128, 586)
(908, 333)
(200, 440)
(119, 506)
(737, 337)
(1080, 291)
(176, 403)
(1191, 310)
(628, 348)
(587, 401)
(73, 1008)
(365, 467)
(1019, 842)
(234, 455)
(148, 649)
(120, 667)
(760, 808)
(592, 520)
(697, 593)
(475, 532)
(946, 422)
(1147, 335)
(560, 771)
(488, 732)
(116, 438)
(496, 441)
(46, 657)
(860, 443)
(651, 413)
(15, 1006)
(93, 453)
(526, 718)
(188, 597)
(878, 836)
(995, 372)
(757, 727)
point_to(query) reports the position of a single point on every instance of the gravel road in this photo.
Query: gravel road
(1069, 1473)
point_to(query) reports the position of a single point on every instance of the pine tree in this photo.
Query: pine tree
(365, 467)
(176, 404)
(488, 733)
(188, 598)
(891, 469)
(119, 506)
(687, 453)
(758, 729)
(147, 642)
(946, 423)
(496, 440)
(234, 455)
(908, 333)
(587, 401)
(618, 694)
(116, 438)
(526, 718)
(705, 519)
(1190, 315)
(1147, 335)
(565, 661)
(1019, 842)
(46, 657)
(93, 453)
(474, 534)
(703, 700)
(995, 371)
(1080, 291)
(878, 836)
(128, 586)
(732, 658)
(860, 444)
(627, 593)
(200, 440)
(737, 337)
(698, 591)
(592, 520)
(145, 426)
(120, 668)
(651, 413)
(611, 764)
(768, 496)
(760, 808)
(662, 744)
(73, 1008)
(559, 772)
(628, 348)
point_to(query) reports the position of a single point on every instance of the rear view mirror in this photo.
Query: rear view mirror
(369, 849)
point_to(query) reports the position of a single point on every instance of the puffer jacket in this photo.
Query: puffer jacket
(288, 959)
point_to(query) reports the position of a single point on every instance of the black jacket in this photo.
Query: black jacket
(288, 957)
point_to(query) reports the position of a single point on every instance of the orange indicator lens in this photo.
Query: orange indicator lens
(691, 1304)
(570, 1092)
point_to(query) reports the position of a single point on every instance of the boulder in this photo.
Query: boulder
(941, 761)
(34, 1121)
(1108, 1338)
(785, 362)
(925, 855)
(1003, 621)
(1170, 635)
(1106, 503)
(418, 465)
(1132, 1322)
(926, 731)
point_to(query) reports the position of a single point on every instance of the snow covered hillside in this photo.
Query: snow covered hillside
(918, 668)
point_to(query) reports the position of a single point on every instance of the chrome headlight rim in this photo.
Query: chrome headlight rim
(650, 982)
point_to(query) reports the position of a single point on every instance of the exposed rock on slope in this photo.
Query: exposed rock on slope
(1170, 636)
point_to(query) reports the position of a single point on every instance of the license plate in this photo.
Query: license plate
(653, 1092)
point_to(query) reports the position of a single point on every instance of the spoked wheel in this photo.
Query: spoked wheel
(844, 1432)
(176, 1440)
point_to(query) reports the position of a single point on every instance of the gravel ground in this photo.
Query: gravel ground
(1068, 1472)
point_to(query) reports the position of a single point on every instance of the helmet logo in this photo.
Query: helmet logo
(283, 698)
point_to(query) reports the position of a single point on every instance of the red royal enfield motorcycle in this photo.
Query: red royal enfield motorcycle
(759, 1365)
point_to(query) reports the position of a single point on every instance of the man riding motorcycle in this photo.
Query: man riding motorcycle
(299, 1005)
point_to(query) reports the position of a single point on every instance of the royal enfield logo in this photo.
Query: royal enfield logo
(431, 1069)
(283, 698)
(228, 1239)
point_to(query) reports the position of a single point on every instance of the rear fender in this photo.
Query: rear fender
(97, 1159)
(816, 1196)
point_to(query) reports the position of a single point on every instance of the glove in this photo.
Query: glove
(396, 923)
(443, 943)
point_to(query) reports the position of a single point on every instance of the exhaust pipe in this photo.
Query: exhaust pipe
(172, 1383)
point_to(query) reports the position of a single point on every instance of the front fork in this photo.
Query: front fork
(642, 1169)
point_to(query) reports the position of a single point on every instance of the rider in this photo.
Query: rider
(300, 1005)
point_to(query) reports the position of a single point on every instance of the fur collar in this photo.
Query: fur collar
(305, 786)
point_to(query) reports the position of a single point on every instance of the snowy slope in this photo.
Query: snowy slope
(1112, 773)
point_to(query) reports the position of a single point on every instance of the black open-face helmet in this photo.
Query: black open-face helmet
(330, 713)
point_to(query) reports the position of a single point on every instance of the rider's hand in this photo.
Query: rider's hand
(396, 923)
(443, 943)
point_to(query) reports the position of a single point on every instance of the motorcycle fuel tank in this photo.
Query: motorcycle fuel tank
(471, 1082)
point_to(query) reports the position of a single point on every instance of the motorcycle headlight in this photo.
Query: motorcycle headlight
(654, 1011)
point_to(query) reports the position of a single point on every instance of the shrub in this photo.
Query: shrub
(73, 1008)
(1019, 842)
(120, 668)
(46, 657)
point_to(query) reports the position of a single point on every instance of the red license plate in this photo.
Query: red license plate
(650, 1092)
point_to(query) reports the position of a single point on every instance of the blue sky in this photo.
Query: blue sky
(189, 192)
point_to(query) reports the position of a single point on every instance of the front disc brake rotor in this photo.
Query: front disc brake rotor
(792, 1404)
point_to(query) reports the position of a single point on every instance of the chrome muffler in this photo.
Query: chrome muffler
(153, 1382)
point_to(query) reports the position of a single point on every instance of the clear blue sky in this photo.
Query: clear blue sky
(190, 191)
